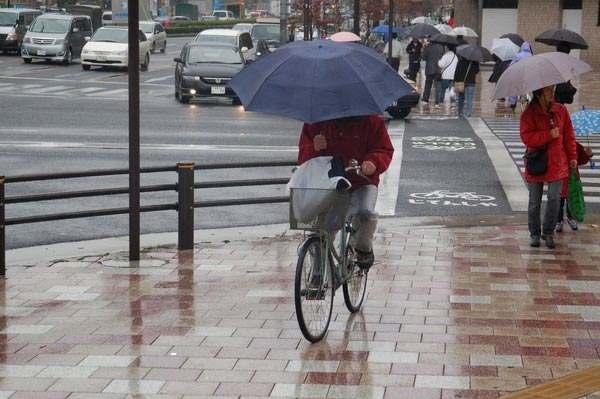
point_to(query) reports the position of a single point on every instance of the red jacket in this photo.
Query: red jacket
(363, 139)
(535, 133)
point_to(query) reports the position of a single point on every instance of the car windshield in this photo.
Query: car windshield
(110, 35)
(266, 32)
(8, 18)
(242, 27)
(231, 40)
(50, 25)
(216, 55)
(147, 28)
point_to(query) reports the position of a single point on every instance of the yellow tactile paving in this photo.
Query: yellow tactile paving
(572, 386)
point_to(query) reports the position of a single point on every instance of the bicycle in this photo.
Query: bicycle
(324, 266)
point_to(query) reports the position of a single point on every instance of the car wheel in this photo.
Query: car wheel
(144, 66)
(164, 49)
(68, 57)
(27, 60)
(184, 99)
(85, 67)
(398, 113)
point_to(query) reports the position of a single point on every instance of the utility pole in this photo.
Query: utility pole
(356, 28)
(390, 30)
(283, 21)
(133, 63)
(306, 17)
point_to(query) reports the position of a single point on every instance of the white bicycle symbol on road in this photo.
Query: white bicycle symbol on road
(449, 198)
(445, 194)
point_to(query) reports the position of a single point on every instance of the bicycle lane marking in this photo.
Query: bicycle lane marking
(446, 171)
(388, 186)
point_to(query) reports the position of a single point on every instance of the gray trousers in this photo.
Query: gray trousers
(536, 190)
(364, 218)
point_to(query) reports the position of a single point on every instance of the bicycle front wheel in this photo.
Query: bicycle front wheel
(314, 289)
(355, 284)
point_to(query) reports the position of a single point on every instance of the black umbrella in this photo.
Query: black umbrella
(421, 30)
(444, 39)
(473, 52)
(562, 37)
(513, 37)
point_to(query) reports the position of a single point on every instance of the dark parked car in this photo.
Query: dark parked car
(204, 70)
(13, 26)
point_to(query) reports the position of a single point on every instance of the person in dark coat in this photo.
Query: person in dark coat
(414, 58)
(466, 72)
(431, 55)
(499, 68)
(565, 92)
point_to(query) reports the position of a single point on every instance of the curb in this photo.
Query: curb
(50, 252)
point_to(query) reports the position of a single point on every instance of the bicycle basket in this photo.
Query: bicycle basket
(318, 209)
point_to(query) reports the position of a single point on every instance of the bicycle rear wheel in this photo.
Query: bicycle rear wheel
(314, 289)
(355, 284)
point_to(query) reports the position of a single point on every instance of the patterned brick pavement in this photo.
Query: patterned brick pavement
(452, 312)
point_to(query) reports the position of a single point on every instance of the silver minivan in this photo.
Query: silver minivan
(56, 37)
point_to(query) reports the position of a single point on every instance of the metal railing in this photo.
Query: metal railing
(185, 188)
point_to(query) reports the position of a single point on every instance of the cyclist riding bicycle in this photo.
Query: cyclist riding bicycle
(365, 139)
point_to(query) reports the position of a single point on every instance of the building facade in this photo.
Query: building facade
(529, 18)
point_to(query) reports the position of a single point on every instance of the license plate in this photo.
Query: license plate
(41, 52)
(217, 90)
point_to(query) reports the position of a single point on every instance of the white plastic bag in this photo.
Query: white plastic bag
(313, 191)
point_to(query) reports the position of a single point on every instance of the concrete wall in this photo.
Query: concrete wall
(591, 33)
(571, 19)
(466, 12)
(537, 16)
(496, 22)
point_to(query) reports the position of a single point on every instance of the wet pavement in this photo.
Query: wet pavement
(452, 312)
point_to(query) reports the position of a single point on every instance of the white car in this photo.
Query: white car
(156, 34)
(108, 47)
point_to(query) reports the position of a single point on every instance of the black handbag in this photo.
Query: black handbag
(536, 161)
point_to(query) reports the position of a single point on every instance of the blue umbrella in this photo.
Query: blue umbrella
(319, 80)
(586, 122)
(385, 30)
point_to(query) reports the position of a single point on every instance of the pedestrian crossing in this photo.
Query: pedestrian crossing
(63, 89)
(507, 130)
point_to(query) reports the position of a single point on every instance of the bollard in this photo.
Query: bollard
(2, 227)
(185, 205)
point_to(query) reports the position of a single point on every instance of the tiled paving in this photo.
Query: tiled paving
(452, 312)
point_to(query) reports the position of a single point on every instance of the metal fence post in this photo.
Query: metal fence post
(2, 228)
(185, 205)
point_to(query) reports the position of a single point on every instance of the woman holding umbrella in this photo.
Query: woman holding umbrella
(547, 125)
(546, 131)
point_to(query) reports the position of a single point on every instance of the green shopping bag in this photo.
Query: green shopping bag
(575, 200)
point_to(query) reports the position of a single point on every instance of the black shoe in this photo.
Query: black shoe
(549, 242)
(534, 242)
(365, 259)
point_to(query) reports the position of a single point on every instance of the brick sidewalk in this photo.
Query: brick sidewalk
(452, 312)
